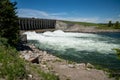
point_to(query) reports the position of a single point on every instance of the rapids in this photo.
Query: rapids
(80, 47)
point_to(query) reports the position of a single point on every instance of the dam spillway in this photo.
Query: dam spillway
(35, 23)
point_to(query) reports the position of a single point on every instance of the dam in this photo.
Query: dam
(36, 23)
(79, 47)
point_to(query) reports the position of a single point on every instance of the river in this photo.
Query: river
(91, 48)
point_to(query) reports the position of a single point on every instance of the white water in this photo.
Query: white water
(79, 47)
(61, 41)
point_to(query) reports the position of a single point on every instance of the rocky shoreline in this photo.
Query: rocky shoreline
(66, 70)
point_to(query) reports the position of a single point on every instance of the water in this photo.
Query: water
(80, 47)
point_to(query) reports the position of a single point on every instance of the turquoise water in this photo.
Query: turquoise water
(80, 47)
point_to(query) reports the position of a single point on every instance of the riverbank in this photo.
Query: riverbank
(75, 31)
(65, 70)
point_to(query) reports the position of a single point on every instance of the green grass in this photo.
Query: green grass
(97, 25)
(11, 66)
(105, 27)
(81, 23)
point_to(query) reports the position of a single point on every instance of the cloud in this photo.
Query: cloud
(83, 19)
(59, 16)
(31, 13)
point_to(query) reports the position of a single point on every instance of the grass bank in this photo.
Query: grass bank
(12, 67)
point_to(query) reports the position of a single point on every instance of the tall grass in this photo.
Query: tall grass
(11, 66)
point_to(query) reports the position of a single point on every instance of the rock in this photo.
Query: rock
(90, 65)
(23, 38)
(77, 65)
(56, 74)
(30, 76)
(27, 57)
(34, 60)
(71, 66)
(63, 66)
(88, 69)
(43, 66)
(33, 47)
(1, 64)
(44, 53)
(30, 52)
(36, 51)
(61, 25)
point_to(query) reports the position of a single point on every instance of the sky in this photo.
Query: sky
(96, 11)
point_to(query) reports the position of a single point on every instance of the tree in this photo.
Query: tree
(117, 25)
(9, 27)
(110, 24)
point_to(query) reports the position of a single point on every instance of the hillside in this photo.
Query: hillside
(82, 23)
(71, 26)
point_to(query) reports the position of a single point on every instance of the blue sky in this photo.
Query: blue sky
(97, 11)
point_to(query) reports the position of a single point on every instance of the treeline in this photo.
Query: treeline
(115, 25)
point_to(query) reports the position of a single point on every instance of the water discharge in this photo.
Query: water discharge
(79, 47)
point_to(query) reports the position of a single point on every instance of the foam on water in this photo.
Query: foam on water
(58, 40)
(79, 47)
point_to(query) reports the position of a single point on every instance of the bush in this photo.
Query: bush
(110, 24)
(117, 25)
(3, 41)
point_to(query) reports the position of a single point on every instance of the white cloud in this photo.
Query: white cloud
(58, 14)
(113, 19)
(31, 13)
(84, 19)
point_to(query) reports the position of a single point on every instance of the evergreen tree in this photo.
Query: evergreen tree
(110, 24)
(117, 25)
(9, 27)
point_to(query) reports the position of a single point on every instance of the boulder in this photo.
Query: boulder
(90, 65)
(34, 60)
(71, 66)
(23, 38)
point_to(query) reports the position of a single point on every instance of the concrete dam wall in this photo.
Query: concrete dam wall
(35, 23)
